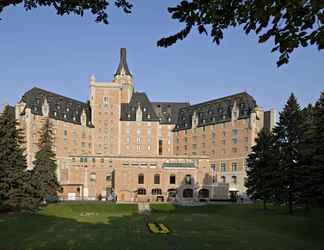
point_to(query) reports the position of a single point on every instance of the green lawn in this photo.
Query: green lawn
(101, 226)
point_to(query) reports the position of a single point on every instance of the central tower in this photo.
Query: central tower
(124, 77)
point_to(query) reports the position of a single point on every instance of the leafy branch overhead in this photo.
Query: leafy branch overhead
(290, 24)
(77, 7)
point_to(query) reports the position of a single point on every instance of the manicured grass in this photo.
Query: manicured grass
(101, 226)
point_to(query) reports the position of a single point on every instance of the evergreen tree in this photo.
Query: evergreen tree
(288, 137)
(260, 168)
(307, 171)
(318, 146)
(44, 171)
(14, 185)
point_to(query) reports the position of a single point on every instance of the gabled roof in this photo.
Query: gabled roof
(168, 111)
(216, 111)
(60, 107)
(123, 63)
(128, 110)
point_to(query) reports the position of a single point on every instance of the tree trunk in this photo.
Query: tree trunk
(307, 207)
(290, 202)
(264, 204)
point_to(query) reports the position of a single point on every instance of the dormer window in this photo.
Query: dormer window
(144, 109)
(67, 109)
(148, 116)
(55, 113)
(169, 119)
(58, 107)
(64, 116)
(74, 118)
(128, 116)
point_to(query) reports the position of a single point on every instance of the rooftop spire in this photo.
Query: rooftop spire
(123, 67)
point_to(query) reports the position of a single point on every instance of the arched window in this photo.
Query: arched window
(156, 191)
(140, 179)
(156, 179)
(141, 191)
(187, 193)
(188, 179)
(203, 193)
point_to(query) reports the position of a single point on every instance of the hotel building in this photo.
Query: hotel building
(120, 144)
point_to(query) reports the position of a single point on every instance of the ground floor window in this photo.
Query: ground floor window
(156, 191)
(203, 193)
(141, 191)
(187, 193)
(172, 192)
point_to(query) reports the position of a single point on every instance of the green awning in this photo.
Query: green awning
(178, 165)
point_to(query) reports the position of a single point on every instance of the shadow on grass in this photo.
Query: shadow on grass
(94, 227)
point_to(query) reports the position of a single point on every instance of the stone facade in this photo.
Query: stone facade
(120, 144)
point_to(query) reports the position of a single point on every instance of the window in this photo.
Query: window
(223, 167)
(234, 150)
(223, 178)
(156, 191)
(234, 179)
(172, 179)
(105, 100)
(188, 179)
(234, 133)
(234, 166)
(246, 139)
(65, 132)
(93, 177)
(157, 179)
(234, 141)
(140, 179)
(102, 160)
(223, 134)
(141, 191)
(93, 160)
(187, 193)
(194, 146)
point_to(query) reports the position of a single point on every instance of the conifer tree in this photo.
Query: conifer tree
(44, 171)
(288, 137)
(260, 168)
(318, 146)
(14, 185)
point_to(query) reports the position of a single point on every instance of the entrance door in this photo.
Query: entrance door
(71, 196)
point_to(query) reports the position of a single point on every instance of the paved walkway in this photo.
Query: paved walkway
(144, 208)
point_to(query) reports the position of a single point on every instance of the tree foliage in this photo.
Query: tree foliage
(14, 185)
(290, 24)
(260, 171)
(44, 172)
(78, 7)
(288, 138)
(317, 135)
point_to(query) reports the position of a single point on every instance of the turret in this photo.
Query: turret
(123, 76)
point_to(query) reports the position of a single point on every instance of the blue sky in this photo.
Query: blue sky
(59, 54)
